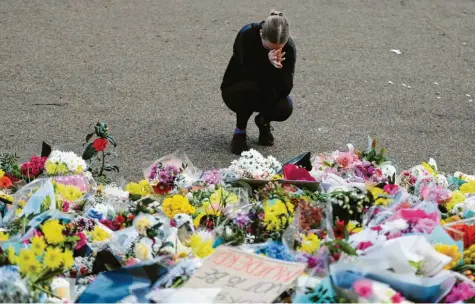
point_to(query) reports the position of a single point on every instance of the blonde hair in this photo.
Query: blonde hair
(276, 28)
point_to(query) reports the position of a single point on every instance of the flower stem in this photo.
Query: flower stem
(102, 164)
(45, 291)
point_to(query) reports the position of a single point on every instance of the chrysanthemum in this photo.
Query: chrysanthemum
(53, 232)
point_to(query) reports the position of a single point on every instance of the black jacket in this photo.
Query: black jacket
(250, 62)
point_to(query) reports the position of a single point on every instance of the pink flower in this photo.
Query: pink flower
(363, 288)
(346, 159)
(397, 298)
(391, 189)
(425, 225)
(460, 292)
(414, 215)
(65, 207)
(376, 228)
(434, 193)
(394, 235)
(364, 245)
(81, 242)
(130, 262)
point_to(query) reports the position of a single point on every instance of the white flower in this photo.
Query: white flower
(74, 163)
(143, 249)
(388, 169)
(142, 222)
(394, 226)
(252, 164)
(115, 192)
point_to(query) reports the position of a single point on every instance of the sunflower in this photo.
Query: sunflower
(53, 257)
(38, 245)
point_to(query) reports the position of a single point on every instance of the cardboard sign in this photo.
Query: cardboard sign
(245, 277)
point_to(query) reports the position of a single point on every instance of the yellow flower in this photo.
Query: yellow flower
(277, 214)
(309, 244)
(50, 167)
(223, 197)
(143, 250)
(4, 236)
(68, 192)
(53, 232)
(142, 188)
(352, 227)
(11, 255)
(6, 197)
(468, 187)
(26, 256)
(451, 219)
(30, 268)
(99, 234)
(277, 176)
(142, 222)
(379, 196)
(68, 259)
(62, 168)
(38, 245)
(456, 198)
(2, 173)
(451, 251)
(53, 257)
(176, 204)
(206, 212)
(201, 248)
(428, 168)
(18, 211)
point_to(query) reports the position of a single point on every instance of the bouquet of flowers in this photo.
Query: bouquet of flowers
(252, 165)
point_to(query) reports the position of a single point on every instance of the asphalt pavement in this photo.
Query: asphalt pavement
(152, 70)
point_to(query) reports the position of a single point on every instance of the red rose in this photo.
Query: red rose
(99, 144)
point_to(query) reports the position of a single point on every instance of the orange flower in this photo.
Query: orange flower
(5, 182)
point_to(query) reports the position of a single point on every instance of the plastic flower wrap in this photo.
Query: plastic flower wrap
(64, 163)
(253, 165)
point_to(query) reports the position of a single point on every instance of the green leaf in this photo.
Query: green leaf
(112, 141)
(88, 137)
(72, 239)
(89, 152)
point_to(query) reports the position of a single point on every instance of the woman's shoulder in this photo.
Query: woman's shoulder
(290, 46)
(250, 27)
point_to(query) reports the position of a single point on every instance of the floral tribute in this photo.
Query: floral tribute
(365, 232)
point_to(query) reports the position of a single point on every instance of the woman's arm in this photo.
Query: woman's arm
(284, 77)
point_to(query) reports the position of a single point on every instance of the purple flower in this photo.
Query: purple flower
(212, 177)
(242, 219)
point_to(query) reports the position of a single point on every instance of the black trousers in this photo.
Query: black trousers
(244, 98)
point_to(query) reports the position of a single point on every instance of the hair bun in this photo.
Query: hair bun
(276, 13)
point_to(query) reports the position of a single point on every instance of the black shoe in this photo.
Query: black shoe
(265, 136)
(238, 144)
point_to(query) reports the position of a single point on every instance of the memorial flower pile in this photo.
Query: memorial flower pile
(361, 231)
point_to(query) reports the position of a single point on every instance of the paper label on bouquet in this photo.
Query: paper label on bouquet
(245, 277)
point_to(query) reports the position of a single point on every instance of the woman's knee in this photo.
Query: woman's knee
(284, 109)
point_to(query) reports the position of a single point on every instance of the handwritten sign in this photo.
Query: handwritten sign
(245, 277)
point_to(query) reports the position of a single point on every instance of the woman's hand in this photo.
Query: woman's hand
(276, 57)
